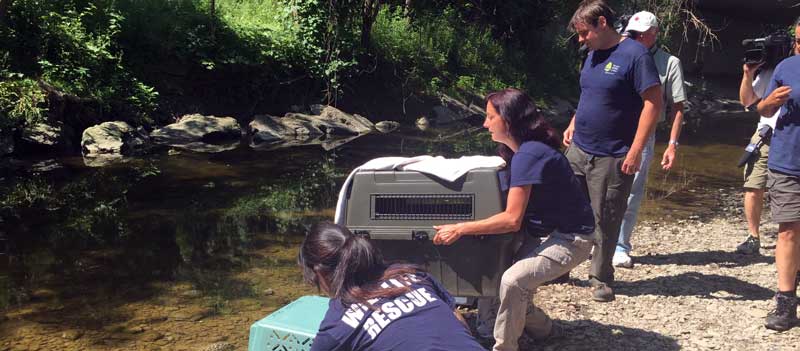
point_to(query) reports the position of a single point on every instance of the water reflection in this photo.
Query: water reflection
(184, 236)
(163, 217)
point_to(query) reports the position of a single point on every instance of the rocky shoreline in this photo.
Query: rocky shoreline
(688, 290)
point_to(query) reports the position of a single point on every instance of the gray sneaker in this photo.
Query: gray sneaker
(601, 292)
(784, 316)
(750, 246)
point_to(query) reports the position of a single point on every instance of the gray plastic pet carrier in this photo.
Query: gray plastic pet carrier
(398, 209)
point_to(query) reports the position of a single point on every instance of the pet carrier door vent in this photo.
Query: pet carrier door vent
(423, 206)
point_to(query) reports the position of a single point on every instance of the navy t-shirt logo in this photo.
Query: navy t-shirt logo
(388, 311)
(611, 68)
(420, 319)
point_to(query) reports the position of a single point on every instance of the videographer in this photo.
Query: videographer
(755, 78)
(784, 182)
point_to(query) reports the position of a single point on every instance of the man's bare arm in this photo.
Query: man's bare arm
(668, 160)
(769, 105)
(647, 124)
(747, 96)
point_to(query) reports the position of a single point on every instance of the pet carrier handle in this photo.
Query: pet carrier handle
(420, 235)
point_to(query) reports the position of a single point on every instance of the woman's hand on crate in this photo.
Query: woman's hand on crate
(447, 234)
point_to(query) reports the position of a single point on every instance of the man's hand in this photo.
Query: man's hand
(568, 134)
(779, 96)
(446, 234)
(633, 160)
(751, 69)
(669, 158)
(774, 101)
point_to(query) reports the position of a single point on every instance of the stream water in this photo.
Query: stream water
(181, 249)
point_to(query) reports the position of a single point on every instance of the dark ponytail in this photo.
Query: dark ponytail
(525, 121)
(352, 267)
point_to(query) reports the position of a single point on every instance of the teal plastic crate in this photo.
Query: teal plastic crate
(291, 328)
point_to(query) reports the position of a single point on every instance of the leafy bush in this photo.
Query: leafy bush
(22, 102)
(438, 52)
(72, 45)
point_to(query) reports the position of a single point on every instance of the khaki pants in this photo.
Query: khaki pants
(536, 264)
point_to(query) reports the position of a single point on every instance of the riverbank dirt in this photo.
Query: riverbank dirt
(688, 290)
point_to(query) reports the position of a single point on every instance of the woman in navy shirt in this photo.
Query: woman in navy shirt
(374, 306)
(545, 199)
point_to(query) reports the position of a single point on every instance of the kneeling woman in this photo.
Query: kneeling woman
(374, 306)
(545, 199)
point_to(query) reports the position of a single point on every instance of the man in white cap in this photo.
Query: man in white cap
(643, 27)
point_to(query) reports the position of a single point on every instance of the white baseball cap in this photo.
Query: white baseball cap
(641, 22)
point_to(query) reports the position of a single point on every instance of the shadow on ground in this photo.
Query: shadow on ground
(591, 335)
(695, 284)
(701, 258)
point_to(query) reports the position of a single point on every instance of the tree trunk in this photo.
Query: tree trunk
(213, 14)
(371, 8)
(4, 5)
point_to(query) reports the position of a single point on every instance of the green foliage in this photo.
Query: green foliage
(26, 194)
(309, 190)
(22, 102)
(72, 45)
(130, 59)
(439, 53)
(324, 32)
(88, 211)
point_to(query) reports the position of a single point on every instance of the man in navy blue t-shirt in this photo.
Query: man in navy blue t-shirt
(783, 181)
(617, 112)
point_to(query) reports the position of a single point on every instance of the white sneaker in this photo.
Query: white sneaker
(622, 259)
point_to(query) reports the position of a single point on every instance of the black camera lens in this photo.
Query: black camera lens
(754, 56)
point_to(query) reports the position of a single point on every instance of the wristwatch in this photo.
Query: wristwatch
(673, 142)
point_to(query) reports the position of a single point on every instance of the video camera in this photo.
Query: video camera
(769, 50)
(622, 23)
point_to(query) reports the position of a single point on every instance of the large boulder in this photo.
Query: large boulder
(452, 110)
(42, 134)
(113, 138)
(386, 126)
(200, 133)
(269, 132)
(356, 123)
(109, 141)
(48, 136)
(326, 126)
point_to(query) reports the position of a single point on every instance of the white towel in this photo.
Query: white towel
(450, 169)
(444, 168)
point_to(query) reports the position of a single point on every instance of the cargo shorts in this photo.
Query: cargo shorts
(755, 171)
(784, 195)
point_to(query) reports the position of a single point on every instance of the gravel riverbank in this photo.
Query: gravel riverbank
(688, 290)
